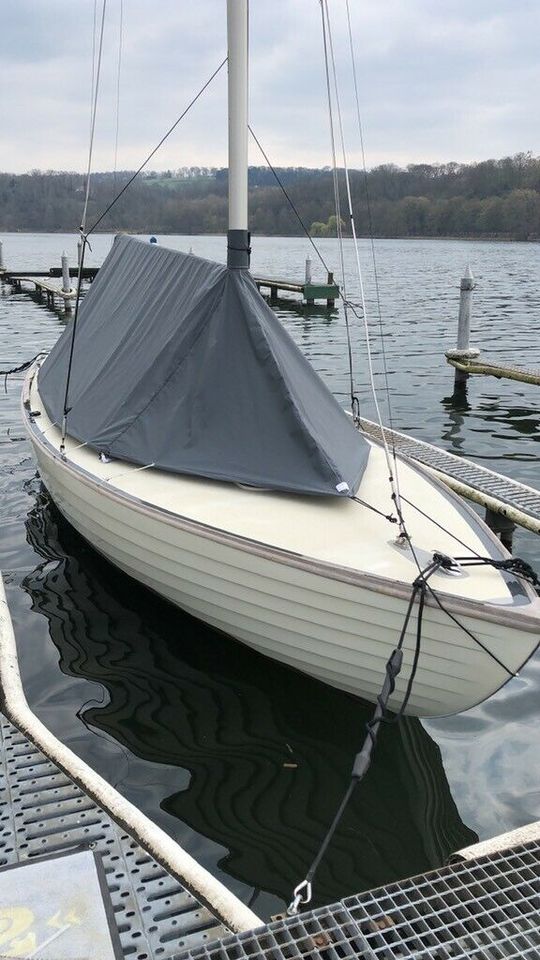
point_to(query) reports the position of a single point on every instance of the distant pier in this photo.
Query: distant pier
(310, 291)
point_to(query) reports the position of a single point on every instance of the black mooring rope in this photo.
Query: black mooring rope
(512, 565)
(362, 761)
(24, 366)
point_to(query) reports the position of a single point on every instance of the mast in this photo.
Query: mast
(238, 249)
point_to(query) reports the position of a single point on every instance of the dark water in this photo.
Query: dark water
(240, 759)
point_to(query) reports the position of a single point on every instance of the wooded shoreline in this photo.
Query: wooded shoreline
(491, 200)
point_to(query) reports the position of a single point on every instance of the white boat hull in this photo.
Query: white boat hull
(330, 622)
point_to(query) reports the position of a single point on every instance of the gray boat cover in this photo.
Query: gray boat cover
(180, 363)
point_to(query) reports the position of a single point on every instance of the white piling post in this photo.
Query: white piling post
(308, 269)
(1, 256)
(463, 351)
(465, 306)
(66, 282)
(79, 252)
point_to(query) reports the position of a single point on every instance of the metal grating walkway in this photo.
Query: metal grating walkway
(516, 500)
(485, 909)
(43, 812)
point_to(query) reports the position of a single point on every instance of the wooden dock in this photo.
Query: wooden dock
(43, 289)
(310, 292)
(504, 371)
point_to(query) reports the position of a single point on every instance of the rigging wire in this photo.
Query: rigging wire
(118, 75)
(96, 72)
(370, 220)
(95, 92)
(86, 233)
(291, 202)
(156, 148)
(391, 470)
(93, 79)
(439, 525)
(355, 407)
(372, 244)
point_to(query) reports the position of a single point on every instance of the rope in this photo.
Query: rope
(303, 892)
(362, 762)
(387, 516)
(24, 366)
(439, 525)
(512, 564)
(448, 562)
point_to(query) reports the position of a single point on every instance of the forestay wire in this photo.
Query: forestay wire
(355, 408)
(371, 240)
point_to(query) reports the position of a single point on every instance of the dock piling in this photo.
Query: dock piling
(308, 270)
(502, 526)
(1, 257)
(330, 303)
(66, 282)
(463, 351)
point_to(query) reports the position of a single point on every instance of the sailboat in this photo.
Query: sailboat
(184, 435)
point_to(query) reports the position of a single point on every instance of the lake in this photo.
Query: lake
(242, 760)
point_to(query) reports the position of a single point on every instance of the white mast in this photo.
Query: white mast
(237, 38)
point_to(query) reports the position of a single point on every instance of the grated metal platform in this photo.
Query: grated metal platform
(487, 909)
(42, 812)
(501, 494)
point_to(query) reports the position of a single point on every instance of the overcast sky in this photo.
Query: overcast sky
(439, 80)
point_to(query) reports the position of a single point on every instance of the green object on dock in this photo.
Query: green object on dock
(308, 291)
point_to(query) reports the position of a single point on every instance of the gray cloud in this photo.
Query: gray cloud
(453, 81)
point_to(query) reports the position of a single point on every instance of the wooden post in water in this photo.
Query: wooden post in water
(2, 268)
(308, 270)
(502, 526)
(330, 281)
(66, 282)
(463, 351)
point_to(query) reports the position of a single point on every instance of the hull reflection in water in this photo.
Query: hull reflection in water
(268, 750)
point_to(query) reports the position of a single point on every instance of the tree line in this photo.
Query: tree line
(495, 199)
